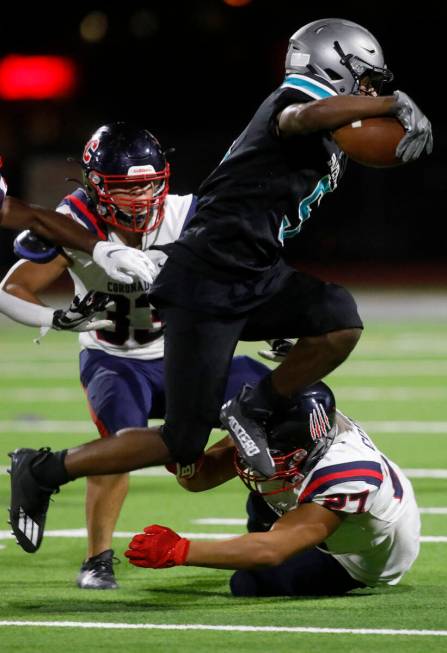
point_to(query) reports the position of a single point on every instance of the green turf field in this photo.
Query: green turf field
(394, 384)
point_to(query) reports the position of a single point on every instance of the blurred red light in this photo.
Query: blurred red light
(237, 3)
(36, 77)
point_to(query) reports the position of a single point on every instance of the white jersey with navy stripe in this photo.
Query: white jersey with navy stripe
(378, 539)
(138, 332)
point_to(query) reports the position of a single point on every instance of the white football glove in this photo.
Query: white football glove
(279, 348)
(124, 264)
(419, 136)
(80, 315)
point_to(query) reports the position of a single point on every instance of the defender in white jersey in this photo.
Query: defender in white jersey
(124, 200)
(336, 515)
(138, 331)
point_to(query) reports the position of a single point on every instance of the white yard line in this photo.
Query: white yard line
(434, 367)
(407, 427)
(233, 521)
(391, 368)
(107, 625)
(161, 471)
(425, 473)
(22, 395)
(346, 393)
(76, 533)
(220, 521)
(52, 370)
(370, 393)
(436, 539)
(82, 533)
(433, 511)
(36, 425)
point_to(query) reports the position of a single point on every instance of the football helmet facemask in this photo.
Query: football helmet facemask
(339, 51)
(126, 175)
(297, 440)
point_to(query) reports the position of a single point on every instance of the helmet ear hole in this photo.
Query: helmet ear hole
(308, 424)
(332, 74)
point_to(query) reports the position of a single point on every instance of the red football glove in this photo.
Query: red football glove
(159, 547)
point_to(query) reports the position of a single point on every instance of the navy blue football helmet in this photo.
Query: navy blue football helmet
(126, 174)
(298, 438)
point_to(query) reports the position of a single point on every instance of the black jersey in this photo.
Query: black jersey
(260, 194)
(262, 191)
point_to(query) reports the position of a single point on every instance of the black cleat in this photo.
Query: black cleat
(29, 500)
(245, 424)
(96, 573)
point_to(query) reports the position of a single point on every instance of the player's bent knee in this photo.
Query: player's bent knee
(342, 307)
(185, 442)
(343, 342)
(336, 345)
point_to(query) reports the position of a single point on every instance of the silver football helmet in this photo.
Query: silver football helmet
(340, 52)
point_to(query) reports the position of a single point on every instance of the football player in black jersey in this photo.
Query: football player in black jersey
(228, 265)
(225, 279)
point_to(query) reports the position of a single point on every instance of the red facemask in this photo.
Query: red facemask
(287, 476)
(122, 200)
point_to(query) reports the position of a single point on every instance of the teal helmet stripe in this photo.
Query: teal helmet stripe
(315, 89)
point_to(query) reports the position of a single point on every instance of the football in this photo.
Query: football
(371, 142)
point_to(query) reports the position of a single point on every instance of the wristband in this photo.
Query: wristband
(180, 551)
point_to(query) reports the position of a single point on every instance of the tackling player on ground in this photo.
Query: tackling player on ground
(335, 515)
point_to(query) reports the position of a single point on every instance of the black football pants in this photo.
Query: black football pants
(199, 348)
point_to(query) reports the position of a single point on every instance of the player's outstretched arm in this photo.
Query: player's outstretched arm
(121, 263)
(47, 224)
(20, 299)
(300, 529)
(21, 288)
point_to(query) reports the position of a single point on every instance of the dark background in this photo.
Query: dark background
(194, 72)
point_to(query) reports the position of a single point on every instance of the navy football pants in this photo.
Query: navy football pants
(310, 573)
(125, 392)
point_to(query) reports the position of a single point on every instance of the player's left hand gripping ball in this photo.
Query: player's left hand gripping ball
(419, 137)
(157, 548)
